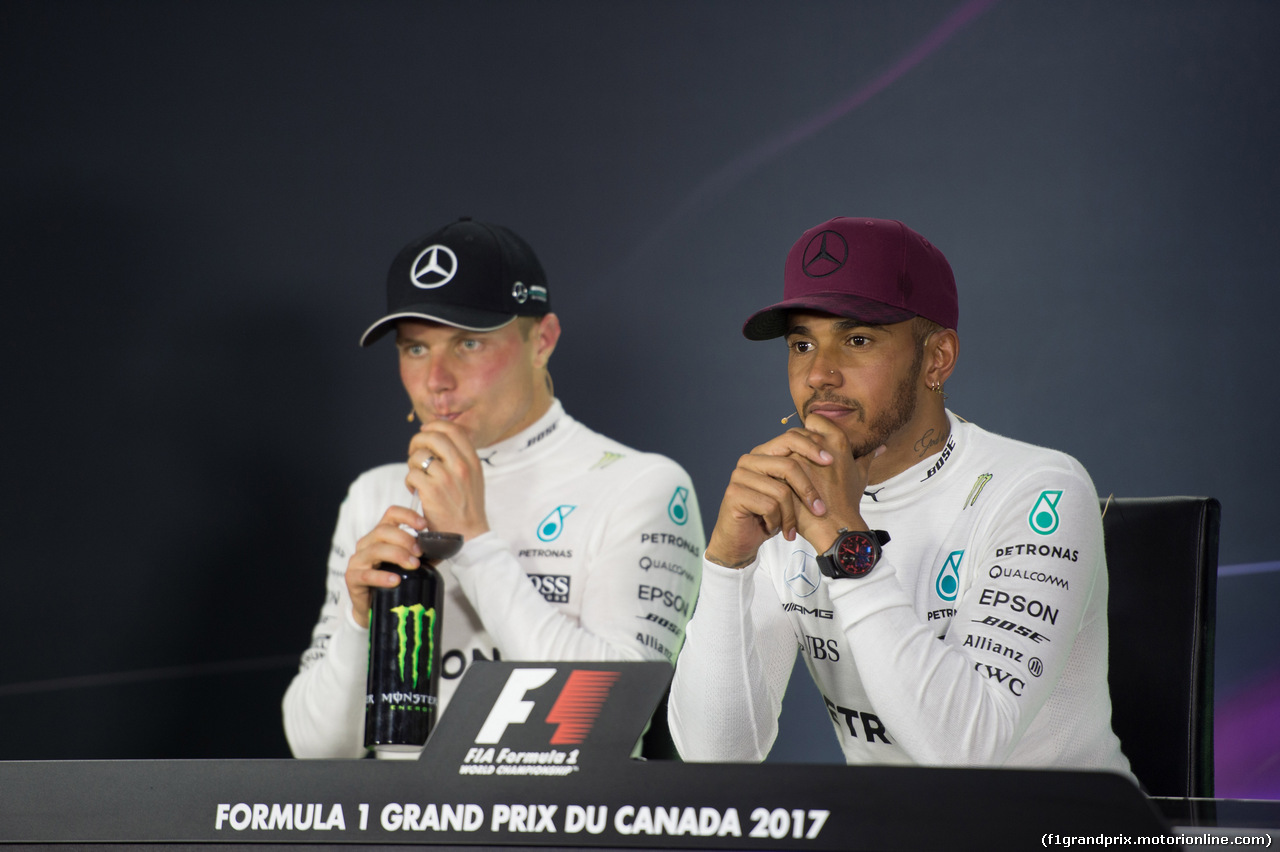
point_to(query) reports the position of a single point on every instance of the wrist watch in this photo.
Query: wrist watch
(853, 554)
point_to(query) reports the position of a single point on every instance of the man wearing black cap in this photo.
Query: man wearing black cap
(576, 547)
(946, 586)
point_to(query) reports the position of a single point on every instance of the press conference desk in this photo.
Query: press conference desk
(537, 784)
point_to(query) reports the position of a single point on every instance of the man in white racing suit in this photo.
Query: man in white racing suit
(946, 587)
(575, 546)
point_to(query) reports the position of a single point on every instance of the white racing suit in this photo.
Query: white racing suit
(594, 553)
(979, 639)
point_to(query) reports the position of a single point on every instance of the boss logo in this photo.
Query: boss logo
(553, 587)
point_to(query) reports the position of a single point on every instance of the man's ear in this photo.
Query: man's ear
(546, 334)
(941, 351)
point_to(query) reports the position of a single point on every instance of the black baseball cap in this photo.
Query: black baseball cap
(469, 274)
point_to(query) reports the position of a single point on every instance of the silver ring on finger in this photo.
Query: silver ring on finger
(427, 463)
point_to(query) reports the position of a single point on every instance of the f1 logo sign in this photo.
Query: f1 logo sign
(511, 708)
(573, 713)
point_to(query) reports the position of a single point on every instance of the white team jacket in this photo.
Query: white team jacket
(979, 639)
(594, 553)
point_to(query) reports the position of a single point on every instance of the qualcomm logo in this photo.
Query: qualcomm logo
(1044, 514)
(678, 508)
(948, 583)
(801, 575)
(550, 527)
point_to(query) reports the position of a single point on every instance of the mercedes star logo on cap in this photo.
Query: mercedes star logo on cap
(435, 267)
(823, 256)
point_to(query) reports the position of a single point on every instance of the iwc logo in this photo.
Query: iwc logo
(434, 267)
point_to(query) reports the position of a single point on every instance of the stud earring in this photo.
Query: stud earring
(409, 419)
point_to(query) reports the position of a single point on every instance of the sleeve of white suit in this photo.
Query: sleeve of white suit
(731, 676)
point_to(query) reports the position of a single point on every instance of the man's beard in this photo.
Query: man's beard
(897, 415)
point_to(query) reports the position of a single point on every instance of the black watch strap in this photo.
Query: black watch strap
(853, 554)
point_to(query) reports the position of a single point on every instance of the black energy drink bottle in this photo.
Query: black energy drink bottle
(404, 652)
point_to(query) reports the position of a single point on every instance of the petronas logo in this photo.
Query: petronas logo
(550, 527)
(678, 509)
(948, 583)
(1044, 514)
(424, 623)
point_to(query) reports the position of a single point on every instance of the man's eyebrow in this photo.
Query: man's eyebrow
(840, 325)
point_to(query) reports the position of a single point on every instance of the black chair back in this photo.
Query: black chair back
(1162, 560)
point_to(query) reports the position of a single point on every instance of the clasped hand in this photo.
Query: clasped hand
(804, 482)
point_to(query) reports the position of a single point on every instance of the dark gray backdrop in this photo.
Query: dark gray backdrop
(200, 201)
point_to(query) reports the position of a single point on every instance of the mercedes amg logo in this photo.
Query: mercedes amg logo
(435, 267)
(801, 576)
(824, 254)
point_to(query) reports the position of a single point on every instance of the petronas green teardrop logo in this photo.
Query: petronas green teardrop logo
(948, 583)
(678, 508)
(1044, 514)
(550, 527)
(424, 622)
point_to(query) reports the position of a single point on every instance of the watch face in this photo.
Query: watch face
(856, 554)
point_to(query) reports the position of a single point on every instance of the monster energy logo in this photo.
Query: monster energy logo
(974, 493)
(417, 614)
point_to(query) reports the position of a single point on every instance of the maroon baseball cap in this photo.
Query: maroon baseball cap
(875, 270)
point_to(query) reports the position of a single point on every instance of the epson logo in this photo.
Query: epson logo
(1019, 603)
(668, 599)
(816, 613)
(818, 648)
(553, 587)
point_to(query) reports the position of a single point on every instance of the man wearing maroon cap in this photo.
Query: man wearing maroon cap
(946, 586)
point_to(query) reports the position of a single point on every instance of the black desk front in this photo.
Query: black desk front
(525, 783)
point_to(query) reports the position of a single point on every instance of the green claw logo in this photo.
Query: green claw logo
(419, 615)
(1044, 514)
(678, 508)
